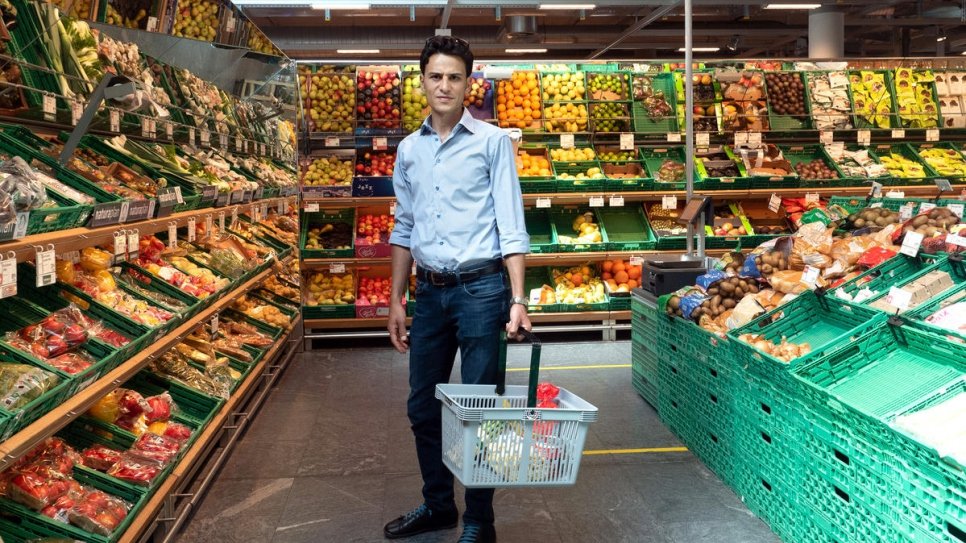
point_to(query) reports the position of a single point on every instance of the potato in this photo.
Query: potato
(713, 290)
(739, 293)
(727, 287)
(729, 304)
(766, 268)
(674, 302)
(716, 301)
(859, 223)
(753, 288)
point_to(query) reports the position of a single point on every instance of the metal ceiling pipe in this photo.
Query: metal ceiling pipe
(520, 24)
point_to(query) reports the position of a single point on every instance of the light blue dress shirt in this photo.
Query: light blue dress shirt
(458, 202)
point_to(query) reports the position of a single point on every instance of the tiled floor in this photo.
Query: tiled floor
(330, 458)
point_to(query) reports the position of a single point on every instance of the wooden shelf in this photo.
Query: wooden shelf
(196, 453)
(24, 440)
(575, 198)
(536, 318)
(78, 238)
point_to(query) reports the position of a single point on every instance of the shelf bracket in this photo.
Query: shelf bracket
(111, 87)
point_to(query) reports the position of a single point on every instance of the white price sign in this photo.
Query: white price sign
(596, 201)
(543, 203)
(332, 142)
(311, 207)
(205, 137)
(255, 213)
(636, 260)
(115, 120)
(178, 196)
(926, 206)
(911, 243)
(774, 203)
(168, 130)
(230, 24)
(281, 207)
(120, 245)
(932, 134)
(741, 139)
(50, 107)
(674, 137)
(46, 266)
(957, 209)
(214, 324)
(825, 137)
(172, 235)
(669, 202)
(876, 191)
(392, 208)
(8, 275)
(209, 224)
(899, 298)
(567, 141)
(132, 243)
(152, 24)
(810, 276)
(898, 134)
(895, 194)
(627, 141)
(145, 127)
(876, 204)
(223, 141)
(192, 235)
(905, 212)
(238, 144)
(221, 221)
(76, 112)
(191, 135)
(754, 139)
(864, 137)
(702, 139)
(955, 239)
(812, 198)
(234, 216)
(378, 144)
(617, 201)
(337, 268)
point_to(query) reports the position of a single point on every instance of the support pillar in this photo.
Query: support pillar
(826, 34)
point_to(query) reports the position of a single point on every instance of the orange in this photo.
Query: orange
(620, 277)
(606, 275)
(634, 272)
(618, 267)
(608, 264)
(632, 283)
(577, 279)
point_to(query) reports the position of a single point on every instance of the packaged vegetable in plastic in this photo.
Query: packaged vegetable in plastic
(690, 303)
(98, 512)
(874, 256)
(65, 271)
(743, 313)
(18, 182)
(707, 279)
(20, 384)
(790, 282)
(100, 457)
(161, 448)
(162, 406)
(137, 469)
(38, 489)
(93, 259)
(107, 409)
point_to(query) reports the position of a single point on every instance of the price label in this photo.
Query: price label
(826, 137)
(120, 245)
(214, 324)
(636, 260)
(812, 198)
(230, 24)
(191, 135)
(864, 137)
(926, 206)
(168, 130)
(810, 276)
(596, 201)
(238, 144)
(152, 24)
(895, 194)
(702, 139)
(192, 235)
(674, 137)
(205, 137)
(627, 141)
(957, 209)
(378, 144)
(337, 268)
(741, 139)
(256, 214)
(76, 112)
(944, 185)
(209, 224)
(223, 140)
(754, 139)
(899, 298)
(617, 201)
(234, 216)
(910, 243)
(46, 266)
(955, 239)
(311, 207)
(261, 148)
(932, 134)
(115, 116)
(669, 202)
(50, 107)
(221, 221)
(876, 204)
(876, 191)
(567, 141)
(173, 235)
(145, 127)
(8, 275)
(332, 142)
(774, 203)
(543, 203)
(392, 208)
(132, 243)
(905, 212)
(178, 196)
(265, 209)
(898, 133)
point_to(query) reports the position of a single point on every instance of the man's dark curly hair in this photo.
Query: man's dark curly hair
(447, 45)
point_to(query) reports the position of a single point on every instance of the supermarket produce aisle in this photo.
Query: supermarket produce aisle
(330, 458)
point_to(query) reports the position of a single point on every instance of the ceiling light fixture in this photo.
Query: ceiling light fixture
(701, 49)
(341, 5)
(568, 6)
(733, 44)
(511, 50)
(941, 38)
(791, 6)
(357, 51)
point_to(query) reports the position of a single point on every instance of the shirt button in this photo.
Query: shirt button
(438, 215)
(441, 243)
(437, 188)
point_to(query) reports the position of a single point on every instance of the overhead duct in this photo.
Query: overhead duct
(519, 29)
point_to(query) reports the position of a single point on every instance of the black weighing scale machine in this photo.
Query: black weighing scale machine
(663, 274)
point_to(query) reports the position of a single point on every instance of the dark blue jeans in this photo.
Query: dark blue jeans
(469, 317)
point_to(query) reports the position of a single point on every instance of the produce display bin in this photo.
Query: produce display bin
(917, 317)
(533, 280)
(953, 157)
(879, 278)
(627, 229)
(803, 154)
(325, 311)
(588, 184)
(786, 123)
(562, 220)
(709, 182)
(888, 119)
(626, 176)
(541, 231)
(539, 184)
(654, 157)
(641, 120)
(905, 151)
(902, 276)
(327, 217)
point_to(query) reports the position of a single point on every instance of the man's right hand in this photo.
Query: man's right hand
(397, 327)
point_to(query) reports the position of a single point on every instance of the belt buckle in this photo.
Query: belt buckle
(438, 279)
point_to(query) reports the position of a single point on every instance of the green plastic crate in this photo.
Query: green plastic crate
(916, 316)
(933, 168)
(311, 220)
(577, 185)
(953, 267)
(194, 407)
(906, 151)
(642, 122)
(640, 181)
(19, 418)
(801, 154)
(542, 235)
(769, 496)
(562, 220)
(887, 99)
(155, 284)
(653, 157)
(823, 322)
(627, 229)
(535, 278)
(276, 299)
(886, 274)
(787, 123)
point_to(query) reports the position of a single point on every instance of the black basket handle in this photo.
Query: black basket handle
(534, 366)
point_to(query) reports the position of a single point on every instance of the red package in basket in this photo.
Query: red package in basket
(131, 403)
(58, 509)
(57, 333)
(178, 432)
(72, 363)
(36, 490)
(875, 256)
(98, 513)
(161, 406)
(100, 457)
(137, 469)
(160, 448)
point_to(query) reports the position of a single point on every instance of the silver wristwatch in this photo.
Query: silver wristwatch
(519, 300)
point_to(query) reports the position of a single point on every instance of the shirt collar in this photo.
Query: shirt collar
(467, 120)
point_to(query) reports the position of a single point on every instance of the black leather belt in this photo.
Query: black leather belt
(450, 278)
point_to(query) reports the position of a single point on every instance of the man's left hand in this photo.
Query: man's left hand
(518, 319)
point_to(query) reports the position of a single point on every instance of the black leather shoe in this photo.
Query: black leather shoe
(420, 520)
(478, 533)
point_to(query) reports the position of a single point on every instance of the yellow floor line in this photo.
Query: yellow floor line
(593, 367)
(636, 451)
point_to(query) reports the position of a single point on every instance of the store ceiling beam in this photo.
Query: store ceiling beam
(636, 27)
(447, 11)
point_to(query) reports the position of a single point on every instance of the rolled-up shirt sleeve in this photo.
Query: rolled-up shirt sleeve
(507, 199)
(403, 229)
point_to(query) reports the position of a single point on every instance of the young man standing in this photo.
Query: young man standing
(459, 214)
